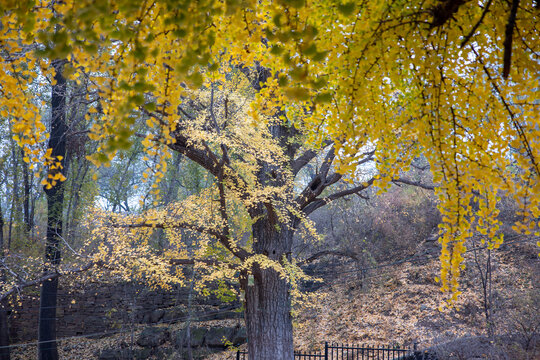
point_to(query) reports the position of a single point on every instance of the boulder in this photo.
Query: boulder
(174, 314)
(216, 337)
(153, 337)
(197, 337)
(156, 315)
(240, 336)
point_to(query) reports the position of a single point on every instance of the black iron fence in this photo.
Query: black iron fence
(333, 351)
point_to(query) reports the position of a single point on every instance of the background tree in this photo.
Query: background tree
(54, 189)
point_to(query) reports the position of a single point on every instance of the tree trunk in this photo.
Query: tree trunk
(268, 302)
(47, 348)
(268, 317)
(15, 196)
(4, 332)
(26, 198)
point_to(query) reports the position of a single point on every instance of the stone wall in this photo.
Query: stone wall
(98, 308)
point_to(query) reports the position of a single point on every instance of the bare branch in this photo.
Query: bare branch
(48, 276)
(185, 113)
(328, 160)
(320, 254)
(318, 203)
(413, 183)
(306, 157)
(303, 160)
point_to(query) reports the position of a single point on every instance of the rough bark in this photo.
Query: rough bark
(268, 317)
(267, 296)
(268, 302)
(47, 347)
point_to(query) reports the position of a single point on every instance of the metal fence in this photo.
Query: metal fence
(335, 351)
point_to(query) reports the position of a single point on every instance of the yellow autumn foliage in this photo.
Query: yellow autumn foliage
(455, 81)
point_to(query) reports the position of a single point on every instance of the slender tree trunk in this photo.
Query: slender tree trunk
(15, 196)
(47, 348)
(26, 198)
(190, 315)
(4, 330)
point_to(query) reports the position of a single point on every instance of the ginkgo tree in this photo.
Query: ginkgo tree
(244, 222)
(454, 80)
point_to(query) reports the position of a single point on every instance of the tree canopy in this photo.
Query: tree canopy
(454, 80)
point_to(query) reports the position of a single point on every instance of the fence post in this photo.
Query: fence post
(326, 350)
(238, 355)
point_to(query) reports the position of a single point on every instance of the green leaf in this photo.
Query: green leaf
(276, 50)
(283, 80)
(319, 83)
(319, 56)
(298, 93)
(196, 79)
(346, 8)
(323, 98)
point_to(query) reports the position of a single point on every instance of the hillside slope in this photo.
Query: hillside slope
(400, 304)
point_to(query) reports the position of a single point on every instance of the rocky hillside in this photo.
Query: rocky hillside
(393, 303)
(399, 304)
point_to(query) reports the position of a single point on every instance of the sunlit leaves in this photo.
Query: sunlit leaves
(382, 73)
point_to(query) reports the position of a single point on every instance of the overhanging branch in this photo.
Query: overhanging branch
(221, 237)
(46, 277)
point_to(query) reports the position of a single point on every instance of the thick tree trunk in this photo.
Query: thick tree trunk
(268, 317)
(47, 348)
(267, 296)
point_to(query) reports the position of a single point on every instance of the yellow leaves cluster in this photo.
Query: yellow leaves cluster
(364, 74)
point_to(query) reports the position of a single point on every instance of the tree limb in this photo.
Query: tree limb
(317, 203)
(303, 160)
(413, 183)
(508, 36)
(320, 254)
(473, 30)
(45, 277)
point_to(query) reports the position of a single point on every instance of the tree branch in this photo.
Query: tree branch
(303, 160)
(413, 183)
(508, 36)
(320, 254)
(318, 203)
(221, 237)
(211, 262)
(48, 276)
(473, 30)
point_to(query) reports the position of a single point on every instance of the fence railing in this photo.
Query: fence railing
(333, 351)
